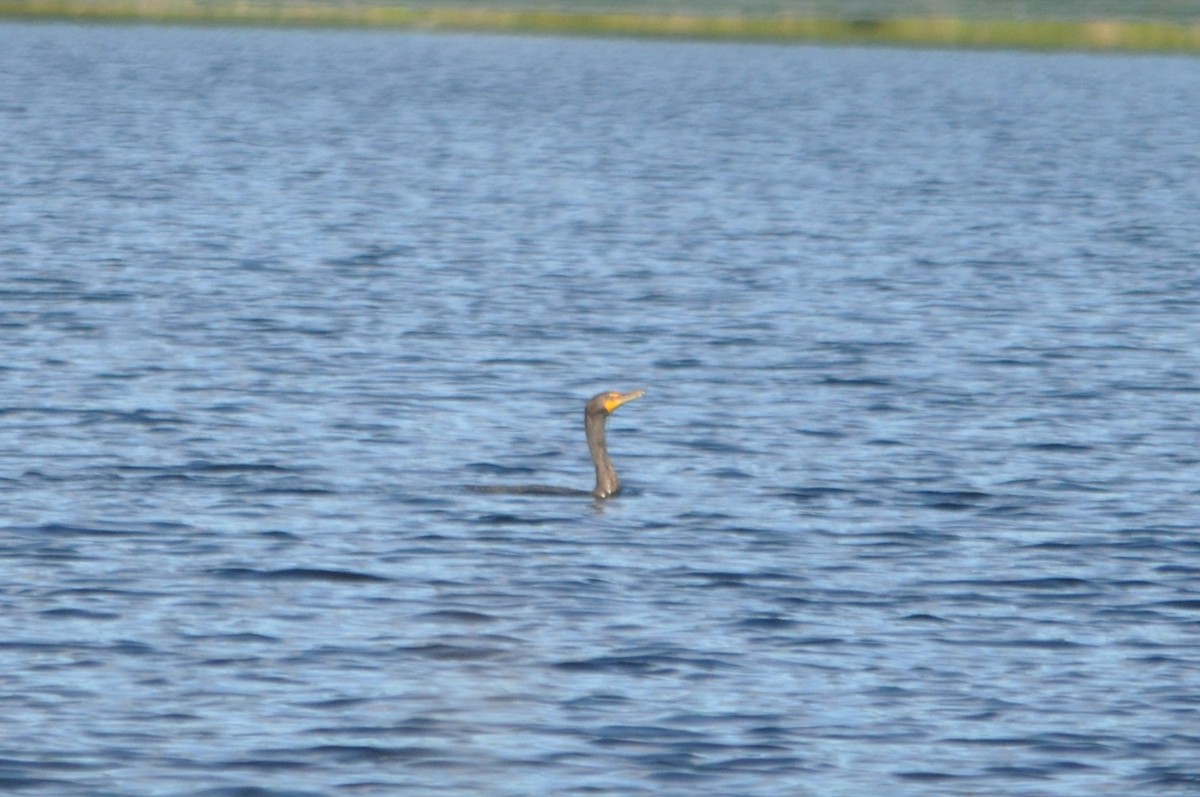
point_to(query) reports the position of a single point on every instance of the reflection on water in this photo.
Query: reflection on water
(907, 506)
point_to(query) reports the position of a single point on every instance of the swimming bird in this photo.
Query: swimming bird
(595, 417)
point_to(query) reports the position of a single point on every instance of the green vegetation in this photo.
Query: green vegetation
(1137, 34)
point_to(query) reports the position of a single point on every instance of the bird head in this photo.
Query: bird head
(606, 403)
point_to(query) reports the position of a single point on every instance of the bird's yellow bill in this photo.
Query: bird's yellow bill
(617, 399)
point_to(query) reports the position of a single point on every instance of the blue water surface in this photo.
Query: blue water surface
(910, 502)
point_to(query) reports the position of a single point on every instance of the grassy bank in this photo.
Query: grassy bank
(1120, 35)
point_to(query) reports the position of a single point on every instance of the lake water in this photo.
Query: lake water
(911, 501)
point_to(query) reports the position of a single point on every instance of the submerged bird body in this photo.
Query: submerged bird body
(595, 416)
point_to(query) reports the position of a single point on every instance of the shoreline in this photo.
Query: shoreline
(1093, 35)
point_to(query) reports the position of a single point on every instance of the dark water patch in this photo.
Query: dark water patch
(523, 361)
(755, 760)
(816, 641)
(705, 518)
(138, 417)
(1049, 743)
(1161, 388)
(430, 502)
(1191, 605)
(733, 341)
(438, 651)
(1010, 362)
(204, 466)
(767, 622)
(1075, 743)
(370, 259)
(250, 791)
(644, 734)
(949, 506)
(508, 519)
(45, 552)
(1072, 486)
(494, 469)
(293, 490)
(714, 719)
(1030, 644)
(61, 530)
(1012, 511)
(993, 588)
(96, 591)
(295, 574)
(228, 474)
(1153, 660)
(55, 761)
(244, 637)
(950, 500)
(676, 777)
(954, 496)
(1046, 584)
(20, 783)
(833, 381)
(597, 701)
(810, 494)
(414, 726)
(457, 616)
(107, 296)
(641, 664)
(714, 446)
(1124, 614)
(721, 578)
(132, 648)
(829, 434)
(927, 776)
(1183, 570)
(78, 614)
(683, 363)
(266, 325)
(279, 536)
(337, 704)
(236, 662)
(122, 647)
(903, 538)
(33, 646)
(1070, 448)
(264, 766)
(1020, 773)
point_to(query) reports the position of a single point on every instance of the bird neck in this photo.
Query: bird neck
(607, 482)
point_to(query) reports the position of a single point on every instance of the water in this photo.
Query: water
(910, 501)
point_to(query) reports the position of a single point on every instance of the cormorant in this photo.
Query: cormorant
(595, 415)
